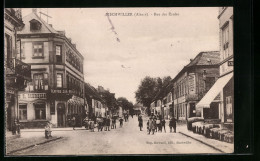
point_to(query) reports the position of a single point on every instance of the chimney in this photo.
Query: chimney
(62, 33)
(50, 25)
(74, 45)
(34, 10)
(191, 60)
(69, 40)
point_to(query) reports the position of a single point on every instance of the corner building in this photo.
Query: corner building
(225, 83)
(56, 92)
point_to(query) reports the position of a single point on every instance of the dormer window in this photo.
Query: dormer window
(35, 25)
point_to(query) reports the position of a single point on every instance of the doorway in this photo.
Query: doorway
(192, 110)
(61, 114)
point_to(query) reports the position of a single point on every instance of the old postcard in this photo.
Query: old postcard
(112, 81)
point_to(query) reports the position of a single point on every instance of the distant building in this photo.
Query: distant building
(56, 92)
(16, 72)
(225, 83)
(192, 83)
(96, 105)
(163, 102)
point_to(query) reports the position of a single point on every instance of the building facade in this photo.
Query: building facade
(225, 83)
(56, 92)
(16, 72)
(192, 83)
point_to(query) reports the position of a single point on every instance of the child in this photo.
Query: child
(48, 130)
(121, 122)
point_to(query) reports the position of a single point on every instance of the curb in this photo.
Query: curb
(203, 142)
(30, 146)
(52, 130)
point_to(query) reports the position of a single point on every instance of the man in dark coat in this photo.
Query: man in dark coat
(107, 124)
(174, 124)
(140, 120)
(171, 124)
(73, 122)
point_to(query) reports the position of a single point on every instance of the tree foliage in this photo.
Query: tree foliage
(126, 105)
(148, 88)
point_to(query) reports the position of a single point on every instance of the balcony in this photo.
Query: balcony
(14, 15)
(17, 68)
(32, 96)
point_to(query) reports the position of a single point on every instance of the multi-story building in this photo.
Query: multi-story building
(111, 103)
(56, 92)
(225, 83)
(163, 102)
(192, 83)
(17, 73)
(96, 105)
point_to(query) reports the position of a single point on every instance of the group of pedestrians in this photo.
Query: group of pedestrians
(102, 123)
(157, 124)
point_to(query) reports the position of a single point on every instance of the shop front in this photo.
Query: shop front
(218, 102)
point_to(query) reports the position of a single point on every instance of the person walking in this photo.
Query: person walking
(113, 126)
(121, 120)
(174, 124)
(73, 122)
(107, 123)
(158, 124)
(171, 124)
(140, 120)
(163, 125)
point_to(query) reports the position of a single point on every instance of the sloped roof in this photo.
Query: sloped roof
(206, 58)
(46, 28)
(91, 91)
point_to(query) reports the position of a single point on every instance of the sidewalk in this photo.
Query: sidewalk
(15, 143)
(53, 129)
(216, 144)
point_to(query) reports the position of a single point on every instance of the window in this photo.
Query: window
(23, 112)
(58, 54)
(35, 25)
(40, 111)
(229, 109)
(225, 41)
(38, 82)
(59, 80)
(38, 50)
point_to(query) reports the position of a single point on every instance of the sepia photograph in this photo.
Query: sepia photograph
(118, 81)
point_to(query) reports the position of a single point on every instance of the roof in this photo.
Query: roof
(46, 28)
(91, 91)
(204, 58)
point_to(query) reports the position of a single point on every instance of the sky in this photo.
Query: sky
(154, 42)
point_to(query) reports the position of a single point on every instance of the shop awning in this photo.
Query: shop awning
(214, 91)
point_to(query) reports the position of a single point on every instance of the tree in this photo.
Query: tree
(146, 91)
(126, 105)
(166, 80)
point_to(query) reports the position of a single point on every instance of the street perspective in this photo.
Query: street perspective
(118, 81)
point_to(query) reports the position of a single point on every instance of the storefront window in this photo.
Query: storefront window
(23, 112)
(40, 111)
(229, 110)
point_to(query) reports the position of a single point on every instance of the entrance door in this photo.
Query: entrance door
(61, 114)
(192, 110)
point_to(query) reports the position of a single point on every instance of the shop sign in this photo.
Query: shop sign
(192, 84)
(66, 91)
